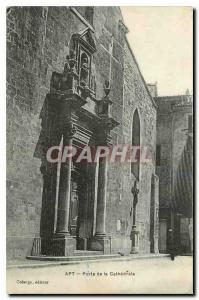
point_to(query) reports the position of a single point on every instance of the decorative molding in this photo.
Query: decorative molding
(82, 19)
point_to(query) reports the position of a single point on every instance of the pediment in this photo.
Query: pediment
(87, 38)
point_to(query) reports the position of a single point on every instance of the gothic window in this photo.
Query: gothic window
(135, 166)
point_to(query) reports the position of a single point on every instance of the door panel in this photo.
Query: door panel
(74, 213)
(163, 236)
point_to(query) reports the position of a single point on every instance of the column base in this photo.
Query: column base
(134, 250)
(135, 240)
(64, 245)
(100, 243)
(82, 244)
(156, 248)
(46, 245)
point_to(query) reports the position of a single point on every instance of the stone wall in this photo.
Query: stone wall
(37, 44)
(136, 96)
(164, 140)
(172, 128)
(180, 129)
(120, 198)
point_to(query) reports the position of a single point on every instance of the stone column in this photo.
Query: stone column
(49, 172)
(64, 193)
(154, 212)
(101, 198)
(100, 242)
(135, 231)
(64, 244)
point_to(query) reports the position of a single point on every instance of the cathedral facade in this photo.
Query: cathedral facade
(73, 80)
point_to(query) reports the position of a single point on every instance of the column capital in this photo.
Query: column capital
(69, 130)
(102, 137)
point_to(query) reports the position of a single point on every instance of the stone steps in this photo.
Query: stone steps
(87, 253)
(78, 257)
(45, 261)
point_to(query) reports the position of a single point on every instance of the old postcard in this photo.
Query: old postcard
(99, 150)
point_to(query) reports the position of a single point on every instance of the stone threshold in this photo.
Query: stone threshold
(46, 261)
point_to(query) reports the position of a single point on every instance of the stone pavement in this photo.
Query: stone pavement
(136, 276)
(44, 261)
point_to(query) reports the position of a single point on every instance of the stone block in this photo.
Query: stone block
(101, 244)
(63, 246)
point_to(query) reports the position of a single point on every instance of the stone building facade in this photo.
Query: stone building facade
(174, 152)
(72, 79)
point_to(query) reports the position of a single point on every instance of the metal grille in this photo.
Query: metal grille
(46, 247)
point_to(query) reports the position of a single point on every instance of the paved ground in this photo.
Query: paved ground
(38, 261)
(137, 276)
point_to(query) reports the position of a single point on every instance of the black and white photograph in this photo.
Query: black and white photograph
(99, 150)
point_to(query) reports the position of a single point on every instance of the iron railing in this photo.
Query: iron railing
(46, 247)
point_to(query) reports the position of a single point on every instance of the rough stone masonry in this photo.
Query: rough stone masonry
(38, 43)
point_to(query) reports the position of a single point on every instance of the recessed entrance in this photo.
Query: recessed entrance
(163, 236)
(81, 206)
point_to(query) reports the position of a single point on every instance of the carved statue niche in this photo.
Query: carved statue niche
(69, 70)
(64, 84)
(105, 103)
(107, 88)
(64, 81)
(84, 70)
(76, 75)
(55, 82)
(84, 46)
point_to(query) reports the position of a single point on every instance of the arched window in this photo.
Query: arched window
(135, 166)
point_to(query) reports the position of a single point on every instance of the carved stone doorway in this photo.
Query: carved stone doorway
(78, 220)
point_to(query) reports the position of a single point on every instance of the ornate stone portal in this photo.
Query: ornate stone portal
(65, 118)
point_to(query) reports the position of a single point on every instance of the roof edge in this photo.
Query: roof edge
(145, 84)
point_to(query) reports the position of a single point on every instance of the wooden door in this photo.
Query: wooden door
(74, 213)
